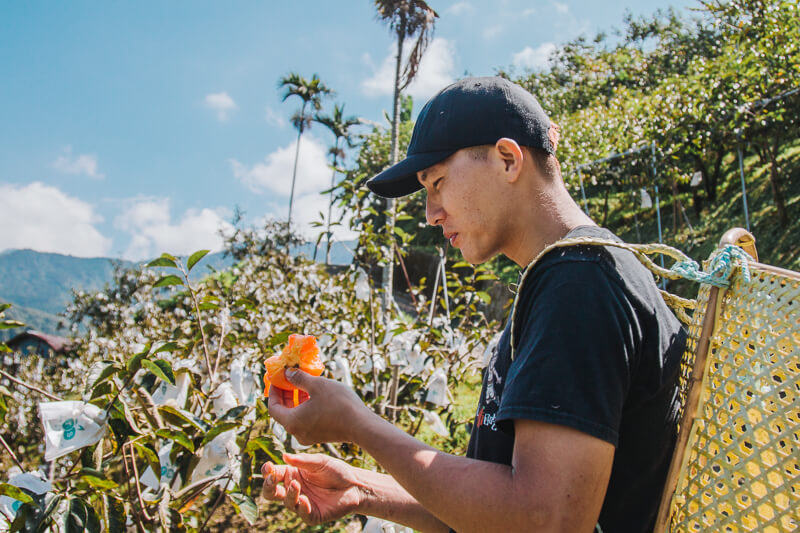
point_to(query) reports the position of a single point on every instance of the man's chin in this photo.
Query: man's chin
(474, 258)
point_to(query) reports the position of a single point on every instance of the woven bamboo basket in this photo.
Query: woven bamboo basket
(736, 466)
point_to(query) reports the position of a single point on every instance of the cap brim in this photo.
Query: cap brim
(401, 179)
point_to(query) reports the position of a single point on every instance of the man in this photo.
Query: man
(577, 422)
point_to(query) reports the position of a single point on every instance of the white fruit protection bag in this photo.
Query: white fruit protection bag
(70, 426)
(168, 470)
(34, 482)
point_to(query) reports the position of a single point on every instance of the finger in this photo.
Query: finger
(287, 396)
(274, 475)
(292, 495)
(303, 396)
(304, 508)
(268, 488)
(278, 408)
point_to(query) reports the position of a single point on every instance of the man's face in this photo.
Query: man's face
(463, 198)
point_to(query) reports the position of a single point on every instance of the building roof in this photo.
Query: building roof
(56, 343)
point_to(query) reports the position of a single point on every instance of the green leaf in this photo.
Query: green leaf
(49, 511)
(14, 492)
(244, 506)
(167, 347)
(165, 260)
(135, 362)
(261, 410)
(234, 413)
(93, 524)
(109, 370)
(161, 369)
(168, 280)
(151, 457)
(178, 437)
(99, 483)
(216, 430)
(461, 264)
(263, 444)
(3, 307)
(280, 338)
(113, 514)
(484, 296)
(8, 324)
(77, 518)
(194, 258)
(179, 417)
(399, 231)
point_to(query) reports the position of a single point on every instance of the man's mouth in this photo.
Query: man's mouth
(451, 237)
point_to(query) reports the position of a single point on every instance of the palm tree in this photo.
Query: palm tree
(340, 127)
(406, 19)
(311, 92)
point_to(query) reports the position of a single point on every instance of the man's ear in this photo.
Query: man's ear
(510, 153)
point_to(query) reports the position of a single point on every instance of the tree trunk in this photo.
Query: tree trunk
(775, 181)
(294, 172)
(713, 177)
(330, 204)
(697, 199)
(388, 271)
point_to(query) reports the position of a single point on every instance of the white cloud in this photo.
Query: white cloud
(307, 209)
(274, 174)
(43, 218)
(152, 231)
(528, 12)
(274, 118)
(459, 8)
(534, 58)
(561, 7)
(222, 103)
(435, 72)
(83, 164)
(492, 31)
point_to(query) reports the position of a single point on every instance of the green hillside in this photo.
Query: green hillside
(44, 281)
(39, 285)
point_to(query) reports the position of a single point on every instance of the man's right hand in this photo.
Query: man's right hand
(316, 487)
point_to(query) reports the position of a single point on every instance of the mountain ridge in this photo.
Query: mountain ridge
(39, 285)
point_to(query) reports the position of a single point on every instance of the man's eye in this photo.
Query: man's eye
(436, 184)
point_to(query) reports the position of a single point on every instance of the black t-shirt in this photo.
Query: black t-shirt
(597, 350)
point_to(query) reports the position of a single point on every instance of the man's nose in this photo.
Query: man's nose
(433, 212)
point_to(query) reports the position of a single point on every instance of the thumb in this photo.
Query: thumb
(306, 461)
(300, 379)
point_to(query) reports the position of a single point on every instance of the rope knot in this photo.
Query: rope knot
(720, 267)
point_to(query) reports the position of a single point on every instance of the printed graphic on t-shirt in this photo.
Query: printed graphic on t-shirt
(493, 378)
(487, 412)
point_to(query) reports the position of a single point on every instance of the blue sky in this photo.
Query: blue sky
(133, 128)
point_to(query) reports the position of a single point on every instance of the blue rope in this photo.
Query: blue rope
(720, 268)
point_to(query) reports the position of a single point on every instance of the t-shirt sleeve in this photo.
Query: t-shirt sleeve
(575, 335)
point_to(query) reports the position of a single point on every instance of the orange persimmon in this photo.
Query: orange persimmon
(300, 352)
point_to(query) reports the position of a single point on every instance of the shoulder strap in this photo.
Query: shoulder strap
(720, 267)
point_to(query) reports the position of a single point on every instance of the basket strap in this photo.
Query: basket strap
(720, 268)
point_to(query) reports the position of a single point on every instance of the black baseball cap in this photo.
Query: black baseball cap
(470, 112)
